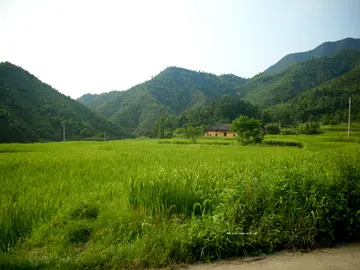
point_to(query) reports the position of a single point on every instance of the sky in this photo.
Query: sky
(86, 46)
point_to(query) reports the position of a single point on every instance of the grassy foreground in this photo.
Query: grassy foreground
(138, 203)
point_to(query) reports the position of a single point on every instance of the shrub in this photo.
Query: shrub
(309, 128)
(80, 235)
(288, 131)
(179, 132)
(85, 211)
(192, 133)
(248, 129)
(283, 143)
(272, 128)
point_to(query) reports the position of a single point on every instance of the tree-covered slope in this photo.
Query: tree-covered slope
(329, 101)
(322, 50)
(31, 110)
(268, 90)
(172, 91)
(223, 110)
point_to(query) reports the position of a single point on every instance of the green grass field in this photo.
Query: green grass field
(141, 203)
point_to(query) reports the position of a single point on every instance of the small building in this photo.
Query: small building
(220, 130)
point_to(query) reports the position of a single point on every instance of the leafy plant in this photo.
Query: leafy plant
(288, 131)
(309, 128)
(192, 133)
(272, 128)
(247, 129)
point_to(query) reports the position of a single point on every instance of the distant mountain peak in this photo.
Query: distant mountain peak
(325, 49)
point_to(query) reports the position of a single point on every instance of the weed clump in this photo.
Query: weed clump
(85, 211)
(79, 235)
(283, 143)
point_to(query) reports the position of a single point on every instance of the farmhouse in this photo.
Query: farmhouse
(222, 130)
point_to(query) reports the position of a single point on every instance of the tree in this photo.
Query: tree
(179, 132)
(161, 129)
(309, 128)
(192, 133)
(247, 129)
(272, 128)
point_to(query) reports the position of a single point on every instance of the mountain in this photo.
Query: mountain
(31, 110)
(322, 50)
(172, 91)
(329, 101)
(283, 86)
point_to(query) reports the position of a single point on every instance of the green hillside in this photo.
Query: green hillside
(316, 89)
(169, 93)
(223, 110)
(269, 90)
(327, 103)
(322, 50)
(31, 110)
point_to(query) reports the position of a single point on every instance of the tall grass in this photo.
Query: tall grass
(138, 203)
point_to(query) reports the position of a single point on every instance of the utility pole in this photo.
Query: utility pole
(64, 132)
(349, 117)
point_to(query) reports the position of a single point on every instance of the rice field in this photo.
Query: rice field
(150, 203)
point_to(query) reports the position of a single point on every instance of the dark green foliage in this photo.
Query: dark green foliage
(161, 129)
(309, 128)
(330, 100)
(79, 235)
(283, 143)
(139, 109)
(179, 132)
(272, 128)
(33, 111)
(85, 211)
(10, 262)
(314, 90)
(192, 133)
(220, 142)
(224, 110)
(288, 131)
(247, 129)
(286, 85)
(322, 50)
(321, 94)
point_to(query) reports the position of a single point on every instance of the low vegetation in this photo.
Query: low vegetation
(139, 203)
(248, 130)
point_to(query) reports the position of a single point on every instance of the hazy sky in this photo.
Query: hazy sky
(98, 46)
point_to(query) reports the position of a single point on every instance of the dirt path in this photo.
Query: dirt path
(341, 257)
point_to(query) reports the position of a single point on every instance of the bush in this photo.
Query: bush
(283, 143)
(247, 129)
(309, 128)
(179, 132)
(272, 128)
(288, 131)
(192, 133)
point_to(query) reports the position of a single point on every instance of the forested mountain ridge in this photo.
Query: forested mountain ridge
(315, 89)
(31, 110)
(325, 49)
(327, 102)
(178, 97)
(281, 87)
(171, 92)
